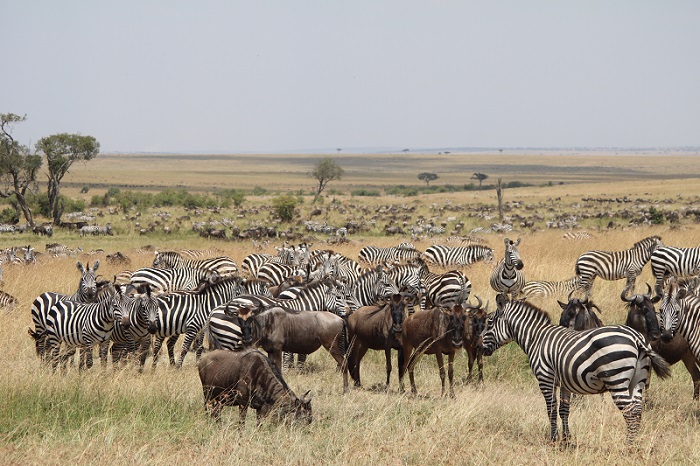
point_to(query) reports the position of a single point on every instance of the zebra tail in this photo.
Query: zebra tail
(659, 364)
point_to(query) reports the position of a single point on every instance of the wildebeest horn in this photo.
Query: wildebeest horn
(648, 289)
(593, 306)
(478, 306)
(623, 296)
(568, 298)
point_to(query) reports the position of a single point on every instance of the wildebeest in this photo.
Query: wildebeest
(248, 378)
(432, 331)
(473, 326)
(579, 314)
(641, 316)
(377, 328)
(277, 330)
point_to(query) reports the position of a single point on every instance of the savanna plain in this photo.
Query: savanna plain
(120, 416)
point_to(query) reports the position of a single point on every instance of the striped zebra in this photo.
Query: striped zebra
(667, 261)
(611, 358)
(87, 293)
(224, 266)
(187, 312)
(166, 280)
(80, 325)
(616, 265)
(274, 273)
(577, 235)
(226, 330)
(345, 269)
(371, 256)
(468, 240)
(407, 279)
(200, 253)
(456, 256)
(507, 277)
(680, 312)
(443, 290)
(371, 288)
(545, 288)
(8, 302)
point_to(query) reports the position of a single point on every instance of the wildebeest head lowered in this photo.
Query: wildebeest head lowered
(248, 378)
(641, 314)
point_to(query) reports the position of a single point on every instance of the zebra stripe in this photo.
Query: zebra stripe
(274, 273)
(616, 265)
(450, 256)
(224, 266)
(680, 312)
(225, 330)
(548, 288)
(131, 332)
(444, 290)
(612, 358)
(8, 302)
(87, 293)
(507, 277)
(667, 261)
(166, 280)
(252, 262)
(371, 256)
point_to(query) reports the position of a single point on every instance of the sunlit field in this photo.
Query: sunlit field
(118, 415)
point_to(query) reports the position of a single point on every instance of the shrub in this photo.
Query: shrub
(656, 216)
(9, 215)
(365, 192)
(258, 191)
(284, 207)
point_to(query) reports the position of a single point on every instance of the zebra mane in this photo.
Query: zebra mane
(646, 241)
(515, 305)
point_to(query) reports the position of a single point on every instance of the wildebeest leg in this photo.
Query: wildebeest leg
(564, 404)
(405, 359)
(441, 369)
(242, 412)
(387, 354)
(690, 363)
(156, 349)
(358, 352)
(276, 357)
(451, 372)
(470, 363)
(480, 365)
(337, 354)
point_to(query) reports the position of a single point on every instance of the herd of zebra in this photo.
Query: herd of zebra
(139, 310)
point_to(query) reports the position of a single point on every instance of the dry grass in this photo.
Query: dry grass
(120, 416)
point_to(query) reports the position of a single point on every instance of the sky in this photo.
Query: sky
(283, 76)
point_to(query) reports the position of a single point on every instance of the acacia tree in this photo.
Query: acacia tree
(428, 177)
(479, 176)
(324, 171)
(61, 151)
(18, 167)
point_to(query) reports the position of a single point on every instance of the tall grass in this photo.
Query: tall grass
(120, 416)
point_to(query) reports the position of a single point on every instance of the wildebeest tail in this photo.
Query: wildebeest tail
(344, 338)
(659, 364)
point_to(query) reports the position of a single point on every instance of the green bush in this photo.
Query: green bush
(258, 191)
(9, 215)
(656, 216)
(284, 207)
(365, 192)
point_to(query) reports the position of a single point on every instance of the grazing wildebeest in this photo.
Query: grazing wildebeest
(377, 328)
(473, 326)
(248, 378)
(277, 330)
(433, 331)
(579, 314)
(642, 317)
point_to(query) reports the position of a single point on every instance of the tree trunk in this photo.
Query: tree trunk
(499, 194)
(53, 194)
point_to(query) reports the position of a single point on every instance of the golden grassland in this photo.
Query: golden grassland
(123, 417)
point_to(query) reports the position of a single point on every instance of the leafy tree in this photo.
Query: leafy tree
(428, 177)
(18, 167)
(61, 151)
(324, 171)
(284, 207)
(479, 176)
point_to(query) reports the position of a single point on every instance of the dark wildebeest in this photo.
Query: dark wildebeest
(642, 317)
(377, 328)
(248, 378)
(473, 326)
(277, 330)
(433, 331)
(229, 329)
(579, 314)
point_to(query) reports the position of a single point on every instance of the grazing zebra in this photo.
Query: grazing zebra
(616, 265)
(80, 325)
(8, 302)
(371, 256)
(89, 230)
(667, 261)
(577, 235)
(274, 273)
(224, 266)
(162, 280)
(612, 358)
(468, 240)
(507, 277)
(187, 312)
(443, 290)
(87, 293)
(680, 313)
(451, 256)
(546, 288)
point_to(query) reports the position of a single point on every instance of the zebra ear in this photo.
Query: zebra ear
(95, 266)
(506, 241)
(517, 242)
(80, 267)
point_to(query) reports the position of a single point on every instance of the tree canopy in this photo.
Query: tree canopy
(428, 177)
(479, 176)
(61, 151)
(324, 171)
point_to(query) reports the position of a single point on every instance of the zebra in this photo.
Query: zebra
(680, 312)
(407, 279)
(274, 273)
(468, 240)
(200, 253)
(162, 280)
(345, 269)
(667, 261)
(373, 255)
(224, 266)
(616, 265)
(225, 329)
(25, 257)
(450, 256)
(507, 277)
(7, 301)
(443, 290)
(252, 263)
(89, 230)
(371, 288)
(187, 312)
(548, 288)
(87, 293)
(577, 235)
(80, 325)
(612, 358)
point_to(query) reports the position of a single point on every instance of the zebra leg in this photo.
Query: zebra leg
(564, 404)
(156, 349)
(171, 348)
(301, 360)
(189, 337)
(199, 345)
(288, 360)
(550, 397)
(631, 279)
(143, 351)
(104, 352)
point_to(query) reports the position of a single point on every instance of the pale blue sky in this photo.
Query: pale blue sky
(236, 76)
